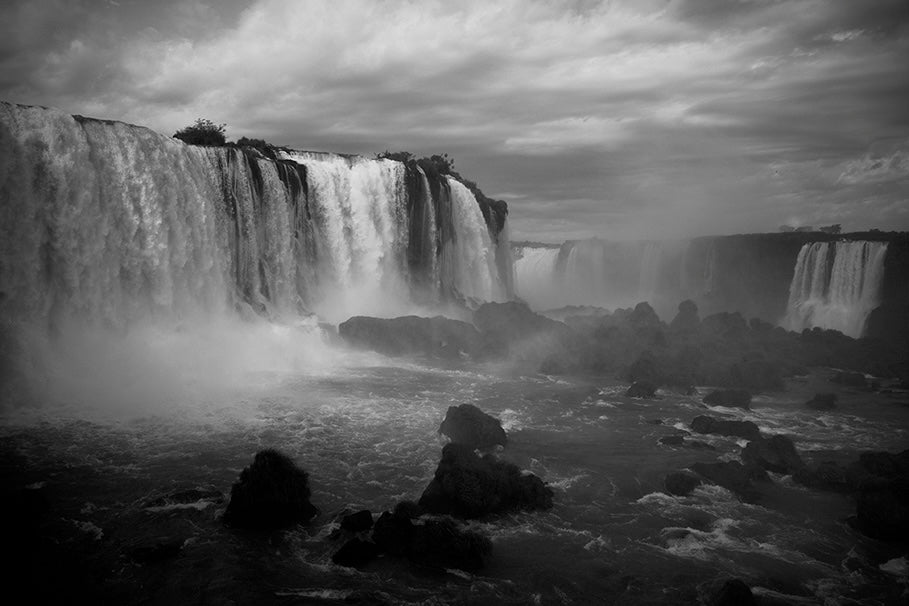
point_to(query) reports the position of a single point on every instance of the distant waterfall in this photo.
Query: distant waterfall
(110, 224)
(836, 285)
(535, 276)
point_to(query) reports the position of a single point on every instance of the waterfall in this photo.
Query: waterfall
(835, 286)
(535, 276)
(109, 224)
(651, 265)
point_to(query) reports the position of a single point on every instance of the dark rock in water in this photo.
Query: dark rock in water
(357, 522)
(885, 464)
(681, 483)
(466, 424)
(186, 497)
(850, 379)
(732, 476)
(776, 454)
(442, 543)
(156, 552)
(469, 486)
(822, 401)
(644, 370)
(355, 553)
(504, 325)
(641, 389)
(654, 421)
(271, 493)
(687, 319)
(672, 440)
(732, 398)
(733, 592)
(393, 531)
(438, 337)
(882, 510)
(827, 476)
(712, 425)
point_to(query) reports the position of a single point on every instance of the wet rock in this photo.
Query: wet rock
(357, 522)
(687, 319)
(827, 476)
(443, 543)
(469, 486)
(885, 464)
(393, 531)
(776, 454)
(731, 398)
(681, 483)
(466, 424)
(672, 440)
(271, 493)
(641, 389)
(882, 510)
(713, 425)
(732, 592)
(822, 401)
(156, 552)
(733, 476)
(408, 335)
(355, 553)
(187, 497)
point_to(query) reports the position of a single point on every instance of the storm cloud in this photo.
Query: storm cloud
(611, 119)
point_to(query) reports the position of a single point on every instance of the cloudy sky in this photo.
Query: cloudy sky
(615, 119)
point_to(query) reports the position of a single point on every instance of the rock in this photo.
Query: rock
(644, 315)
(355, 553)
(827, 476)
(687, 319)
(504, 325)
(466, 424)
(186, 497)
(357, 522)
(850, 379)
(732, 476)
(672, 440)
(732, 398)
(885, 464)
(641, 389)
(412, 335)
(156, 552)
(776, 454)
(469, 486)
(822, 401)
(271, 493)
(681, 483)
(712, 425)
(732, 592)
(882, 510)
(644, 370)
(393, 531)
(442, 543)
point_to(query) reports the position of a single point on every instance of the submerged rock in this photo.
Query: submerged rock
(732, 398)
(271, 493)
(733, 592)
(357, 522)
(438, 337)
(356, 553)
(681, 483)
(822, 401)
(443, 543)
(469, 486)
(641, 389)
(157, 551)
(466, 424)
(393, 531)
(776, 454)
(732, 476)
(722, 427)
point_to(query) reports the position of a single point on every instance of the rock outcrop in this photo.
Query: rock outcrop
(713, 425)
(466, 424)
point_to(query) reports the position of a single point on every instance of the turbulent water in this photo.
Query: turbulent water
(836, 285)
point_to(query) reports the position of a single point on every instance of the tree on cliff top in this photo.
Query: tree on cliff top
(202, 132)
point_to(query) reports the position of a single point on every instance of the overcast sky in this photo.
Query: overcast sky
(614, 119)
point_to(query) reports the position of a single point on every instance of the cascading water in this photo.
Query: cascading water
(836, 286)
(535, 276)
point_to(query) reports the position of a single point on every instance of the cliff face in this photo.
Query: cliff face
(112, 223)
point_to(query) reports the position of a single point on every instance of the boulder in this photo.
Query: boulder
(850, 379)
(469, 486)
(732, 476)
(393, 531)
(882, 510)
(503, 325)
(157, 551)
(412, 335)
(681, 483)
(466, 424)
(641, 389)
(644, 370)
(732, 398)
(443, 543)
(357, 522)
(827, 475)
(712, 425)
(776, 454)
(271, 493)
(355, 553)
(687, 319)
(676, 440)
(732, 592)
(822, 401)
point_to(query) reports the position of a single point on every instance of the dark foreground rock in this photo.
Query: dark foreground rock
(466, 424)
(360, 521)
(776, 454)
(468, 486)
(822, 401)
(722, 427)
(641, 389)
(733, 476)
(681, 483)
(732, 398)
(732, 592)
(356, 553)
(882, 510)
(411, 335)
(271, 493)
